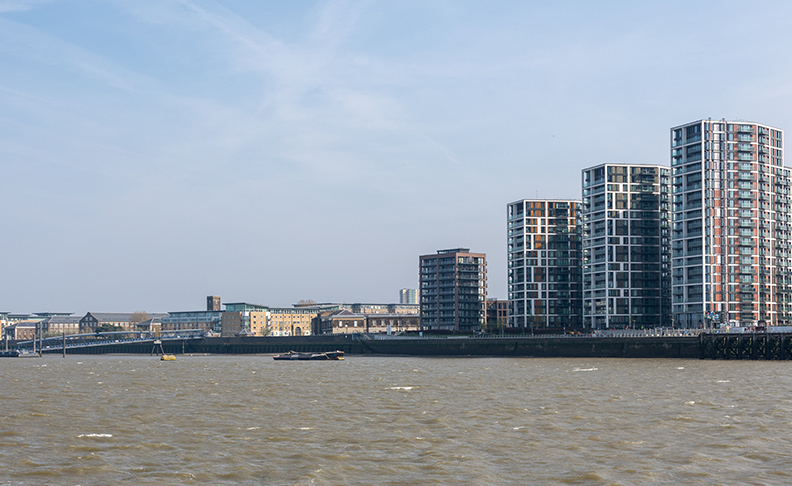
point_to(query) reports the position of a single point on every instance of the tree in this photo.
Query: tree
(139, 316)
(108, 328)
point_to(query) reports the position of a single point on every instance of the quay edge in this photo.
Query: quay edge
(541, 347)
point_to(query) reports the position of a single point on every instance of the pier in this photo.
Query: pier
(103, 342)
(750, 346)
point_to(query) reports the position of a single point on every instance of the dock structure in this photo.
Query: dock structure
(114, 341)
(748, 346)
(667, 343)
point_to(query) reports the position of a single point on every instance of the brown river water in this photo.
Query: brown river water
(249, 420)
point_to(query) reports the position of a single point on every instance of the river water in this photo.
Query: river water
(249, 420)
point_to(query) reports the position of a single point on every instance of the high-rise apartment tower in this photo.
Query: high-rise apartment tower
(626, 246)
(453, 290)
(731, 225)
(544, 263)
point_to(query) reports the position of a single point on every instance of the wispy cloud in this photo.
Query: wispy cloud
(20, 5)
(234, 120)
(447, 153)
(310, 92)
(34, 45)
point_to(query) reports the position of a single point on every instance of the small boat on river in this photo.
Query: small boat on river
(168, 357)
(294, 355)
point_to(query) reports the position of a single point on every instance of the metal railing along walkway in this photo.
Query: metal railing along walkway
(27, 348)
(599, 333)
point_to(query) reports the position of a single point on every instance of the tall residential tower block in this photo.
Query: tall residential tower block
(731, 225)
(544, 263)
(453, 290)
(626, 246)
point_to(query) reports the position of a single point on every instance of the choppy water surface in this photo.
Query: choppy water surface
(90, 420)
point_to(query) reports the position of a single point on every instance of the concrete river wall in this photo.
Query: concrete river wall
(547, 347)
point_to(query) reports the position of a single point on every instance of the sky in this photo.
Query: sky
(156, 152)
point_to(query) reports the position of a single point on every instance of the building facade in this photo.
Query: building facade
(21, 331)
(544, 263)
(213, 303)
(290, 321)
(208, 320)
(731, 225)
(120, 320)
(625, 219)
(453, 290)
(408, 296)
(392, 323)
(60, 324)
(242, 318)
(347, 322)
(497, 314)
(367, 308)
(340, 322)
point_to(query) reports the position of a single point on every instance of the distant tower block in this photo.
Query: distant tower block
(408, 296)
(453, 287)
(213, 303)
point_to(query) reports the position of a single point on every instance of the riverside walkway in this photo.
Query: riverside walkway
(604, 333)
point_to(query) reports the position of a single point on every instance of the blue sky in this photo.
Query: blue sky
(155, 152)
